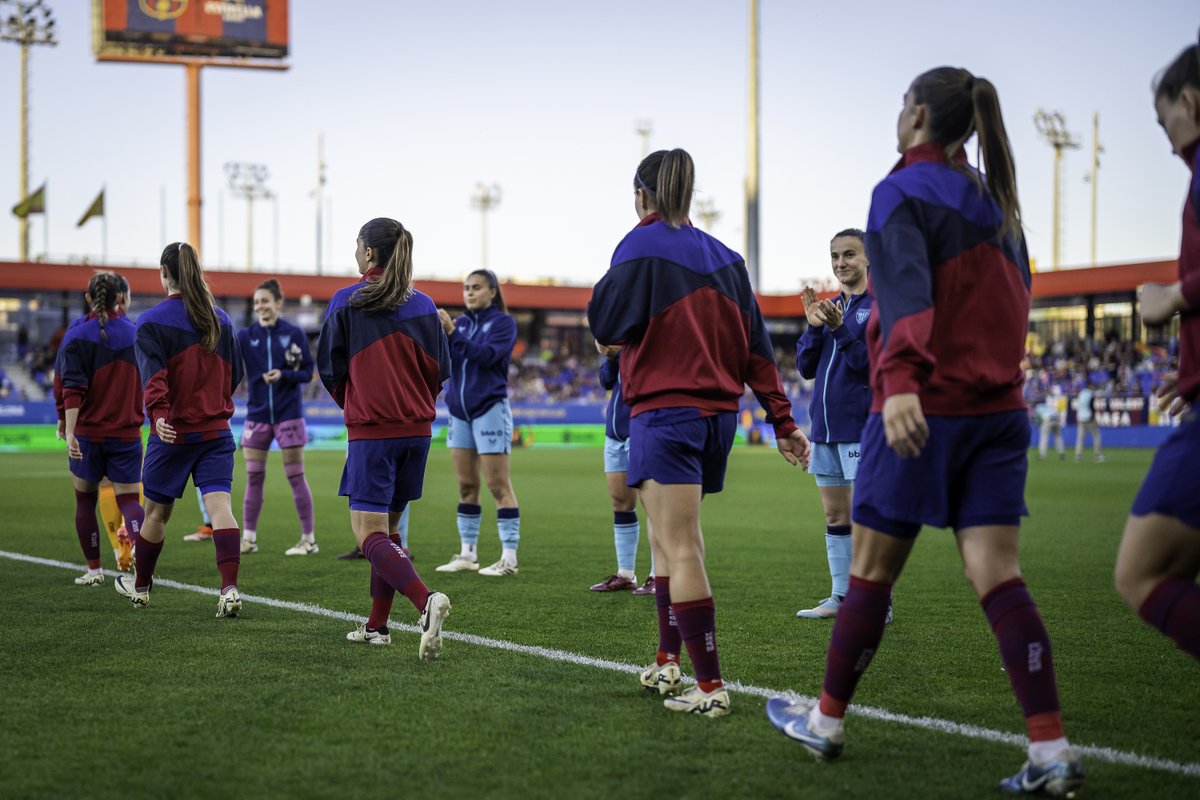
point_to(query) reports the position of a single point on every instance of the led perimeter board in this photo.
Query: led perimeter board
(191, 28)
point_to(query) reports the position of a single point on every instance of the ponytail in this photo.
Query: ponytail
(672, 174)
(959, 106)
(998, 163)
(394, 244)
(102, 293)
(183, 267)
(271, 285)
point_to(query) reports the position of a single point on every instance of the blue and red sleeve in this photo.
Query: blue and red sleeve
(74, 373)
(902, 277)
(333, 359)
(619, 311)
(152, 366)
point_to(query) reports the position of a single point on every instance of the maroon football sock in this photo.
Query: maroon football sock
(857, 632)
(145, 559)
(228, 543)
(697, 620)
(669, 641)
(388, 559)
(382, 595)
(131, 511)
(1025, 652)
(1174, 608)
(86, 527)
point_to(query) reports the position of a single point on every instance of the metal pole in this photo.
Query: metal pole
(752, 260)
(23, 224)
(1057, 201)
(193, 153)
(1095, 177)
(320, 191)
(249, 232)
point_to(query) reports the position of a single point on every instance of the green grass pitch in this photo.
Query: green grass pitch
(100, 700)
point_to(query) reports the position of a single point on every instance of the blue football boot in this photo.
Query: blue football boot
(792, 719)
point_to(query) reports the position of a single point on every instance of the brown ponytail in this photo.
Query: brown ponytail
(102, 292)
(183, 267)
(961, 105)
(389, 239)
(668, 178)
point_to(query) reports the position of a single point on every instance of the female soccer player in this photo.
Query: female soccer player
(1159, 556)
(680, 304)
(950, 276)
(833, 353)
(481, 426)
(188, 357)
(624, 497)
(383, 356)
(278, 364)
(102, 401)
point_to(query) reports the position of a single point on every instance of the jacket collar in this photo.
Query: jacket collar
(929, 151)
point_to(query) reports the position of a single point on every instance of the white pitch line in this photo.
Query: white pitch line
(1106, 754)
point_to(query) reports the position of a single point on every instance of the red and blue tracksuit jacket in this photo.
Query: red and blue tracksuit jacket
(481, 349)
(385, 370)
(181, 381)
(681, 304)
(838, 362)
(1189, 282)
(951, 300)
(616, 417)
(100, 378)
(282, 346)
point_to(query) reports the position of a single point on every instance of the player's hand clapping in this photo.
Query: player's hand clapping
(812, 306)
(447, 321)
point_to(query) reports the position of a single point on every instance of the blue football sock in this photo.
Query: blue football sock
(508, 520)
(837, 548)
(625, 535)
(468, 523)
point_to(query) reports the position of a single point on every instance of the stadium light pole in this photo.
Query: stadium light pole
(27, 24)
(249, 181)
(319, 191)
(707, 212)
(1093, 176)
(643, 128)
(752, 160)
(485, 198)
(1053, 129)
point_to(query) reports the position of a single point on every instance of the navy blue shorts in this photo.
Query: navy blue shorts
(382, 475)
(677, 445)
(120, 462)
(1172, 486)
(209, 463)
(971, 473)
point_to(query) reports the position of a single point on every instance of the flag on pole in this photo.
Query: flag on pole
(33, 204)
(96, 209)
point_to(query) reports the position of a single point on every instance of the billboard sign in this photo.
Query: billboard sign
(200, 28)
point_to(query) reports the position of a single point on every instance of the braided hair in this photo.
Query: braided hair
(102, 293)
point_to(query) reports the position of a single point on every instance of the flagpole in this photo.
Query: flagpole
(104, 229)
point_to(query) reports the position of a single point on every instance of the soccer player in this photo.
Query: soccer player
(188, 357)
(102, 400)
(1085, 419)
(680, 304)
(383, 357)
(1050, 421)
(833, 353)
(481, 422)
(278, 363)
(950, 276)
(110, 508)
(1159, 556)
(624, 498)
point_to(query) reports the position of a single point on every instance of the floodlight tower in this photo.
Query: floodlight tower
(1053, 127)
(752, 157)
(643, 129)
(1093, 176)
(707, 212)
(26, 22)
(485, 198)
(249, 181)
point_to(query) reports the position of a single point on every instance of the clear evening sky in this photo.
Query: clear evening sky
(419, 101)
